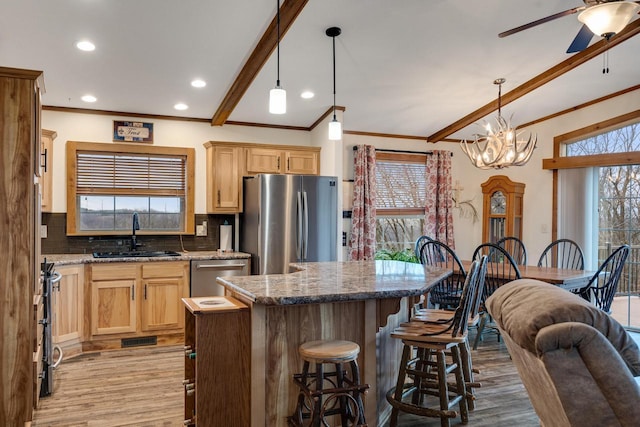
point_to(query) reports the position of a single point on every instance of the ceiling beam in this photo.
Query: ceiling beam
(541, 79)
(289, 11)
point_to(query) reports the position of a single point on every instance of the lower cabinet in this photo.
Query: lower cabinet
(137, 299)
(68, 307)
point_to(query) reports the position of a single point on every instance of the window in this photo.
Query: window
(109, 182)
(400, 200)
(603, 162)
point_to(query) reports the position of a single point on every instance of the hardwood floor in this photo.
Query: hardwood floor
(143, 387)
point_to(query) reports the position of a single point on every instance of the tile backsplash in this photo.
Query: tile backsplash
(57, 241)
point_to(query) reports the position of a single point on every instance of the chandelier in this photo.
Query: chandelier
(499, 148)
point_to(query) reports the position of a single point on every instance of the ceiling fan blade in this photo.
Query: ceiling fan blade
(581, 41)
(541, 21)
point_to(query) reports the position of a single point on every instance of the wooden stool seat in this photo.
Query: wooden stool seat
(329, 351)
(326, 393)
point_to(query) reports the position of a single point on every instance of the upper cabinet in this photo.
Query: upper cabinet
(46, 172)
(224, 179)
(228, 162)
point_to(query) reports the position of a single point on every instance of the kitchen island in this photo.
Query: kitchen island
(357, 301)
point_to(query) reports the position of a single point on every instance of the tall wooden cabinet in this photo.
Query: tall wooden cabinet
(19, 240)
(502, 208)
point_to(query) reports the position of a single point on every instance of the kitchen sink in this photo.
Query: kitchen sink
(134, 254)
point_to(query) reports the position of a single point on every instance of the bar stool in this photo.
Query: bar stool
(336, 392)
(421, 376)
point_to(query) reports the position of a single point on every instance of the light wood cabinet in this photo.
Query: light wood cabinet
(277, 160)
(68, 307)
(224, 179)
(164, 286)
(228, 162)
(19, 242)
(46, 169)
(302, 162)
(113, 306)
(263, 160)
(133, 299)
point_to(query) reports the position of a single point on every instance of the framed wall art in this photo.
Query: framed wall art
(132, 132)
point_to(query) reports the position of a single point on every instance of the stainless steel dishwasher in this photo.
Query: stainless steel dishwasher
(205, 272)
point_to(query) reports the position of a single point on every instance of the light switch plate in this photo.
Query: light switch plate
(43, 231)
(201, 230)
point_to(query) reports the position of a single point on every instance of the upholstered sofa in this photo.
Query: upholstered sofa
(577, 363)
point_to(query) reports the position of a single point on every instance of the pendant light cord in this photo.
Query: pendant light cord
(278, 47)
(334, 77)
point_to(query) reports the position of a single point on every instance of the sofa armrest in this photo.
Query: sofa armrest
(591, 378)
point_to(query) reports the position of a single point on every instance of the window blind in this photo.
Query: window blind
(104, 172)
(400, 185)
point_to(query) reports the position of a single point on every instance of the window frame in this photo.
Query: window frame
(72, 147)
(401, 158)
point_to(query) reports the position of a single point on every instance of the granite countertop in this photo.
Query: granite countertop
(320, 282)
(68, 259)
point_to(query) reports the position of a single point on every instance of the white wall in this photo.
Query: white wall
(337, 159)
(538, 198)
(99, 128)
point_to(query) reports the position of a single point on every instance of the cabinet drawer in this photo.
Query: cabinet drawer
(117, 271)
(163, 269)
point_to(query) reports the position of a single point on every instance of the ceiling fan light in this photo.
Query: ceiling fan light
(610, 18)
(277, 100)
(335, 130)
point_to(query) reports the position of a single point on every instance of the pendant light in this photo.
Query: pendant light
(335, 127)
(277, 95)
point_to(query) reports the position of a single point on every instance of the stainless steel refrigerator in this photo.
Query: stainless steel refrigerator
(288, 218)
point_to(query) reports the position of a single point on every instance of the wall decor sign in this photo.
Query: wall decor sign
(132, 131)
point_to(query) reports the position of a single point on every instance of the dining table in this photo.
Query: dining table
(562, 277)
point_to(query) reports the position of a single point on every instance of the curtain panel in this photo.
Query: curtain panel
(362, 244)
(438, 210)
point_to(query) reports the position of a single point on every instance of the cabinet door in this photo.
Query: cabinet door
(113, 307)
(223, 172)
(161, 306)
(301, 162)
(68, 304)
(263, 160)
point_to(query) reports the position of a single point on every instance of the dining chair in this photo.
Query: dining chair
(476, 273)
(516, 249)
(501, 268)
(420, 243)
(604, 283)
(562, 253)
(446, 294)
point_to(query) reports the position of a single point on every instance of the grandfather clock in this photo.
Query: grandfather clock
(501, 208)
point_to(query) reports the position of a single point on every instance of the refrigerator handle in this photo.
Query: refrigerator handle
(299, 210)
(306, 225)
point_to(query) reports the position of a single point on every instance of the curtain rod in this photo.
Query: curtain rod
(355, 147)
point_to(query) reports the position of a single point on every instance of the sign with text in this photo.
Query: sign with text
(132, 131)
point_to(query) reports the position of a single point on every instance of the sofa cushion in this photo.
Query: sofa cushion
(523, 307)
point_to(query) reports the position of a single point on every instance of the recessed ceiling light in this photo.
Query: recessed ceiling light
(86, 46)
(89, 98)
(198, 83)
(307, 94)
(180, 106)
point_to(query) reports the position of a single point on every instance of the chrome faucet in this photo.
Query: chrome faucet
(135, 226)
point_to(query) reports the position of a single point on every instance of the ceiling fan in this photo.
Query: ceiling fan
(602, 17)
